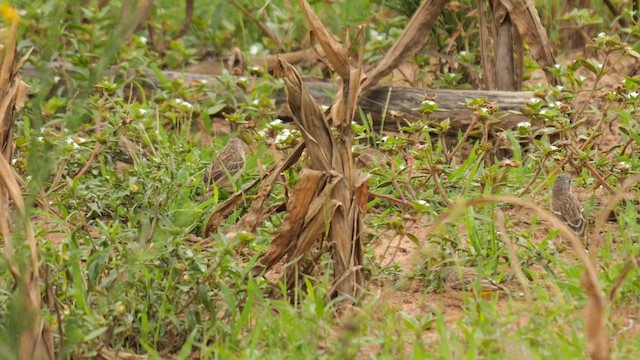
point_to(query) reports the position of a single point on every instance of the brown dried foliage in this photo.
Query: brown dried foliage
(35, 340)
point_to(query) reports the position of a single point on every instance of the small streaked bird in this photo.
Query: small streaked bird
(228, 163)
(131, 150)
(459, 280)
(566, 206)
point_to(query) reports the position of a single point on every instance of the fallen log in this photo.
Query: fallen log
(390, 107)
(394, 107)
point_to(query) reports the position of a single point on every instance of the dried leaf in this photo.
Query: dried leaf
(412, 39)
(297, 209)
(335, 53)
(250, 221)
(308, 117)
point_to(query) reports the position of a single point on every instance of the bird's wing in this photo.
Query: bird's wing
(571, 211)
(222, 167)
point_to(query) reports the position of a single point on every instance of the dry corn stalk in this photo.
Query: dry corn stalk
(330, 198)
(35, 341)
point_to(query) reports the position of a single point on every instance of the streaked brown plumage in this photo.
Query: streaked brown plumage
(229, 162)
(566, 206)
(131, 150)
(460, 279)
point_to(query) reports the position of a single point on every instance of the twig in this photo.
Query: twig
(608, 208)
(441, 191)
(631, 263)
(262, 27)
(462, 140)
(390, 198)
(188, 17)
(616, 13)
(601, 180)
(94, 155)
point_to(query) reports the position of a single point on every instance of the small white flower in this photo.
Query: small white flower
(375, 35)
(581, 78)
(184, 103)
(280, 138)
(385, 138)
(40, 139)
(623, 165)
(242, 78)
(524, 124)
(69, 140)
(560, 87)
(255, 102)
(324, 107)
(76, 146)
(423, 202)
(633, 95)
(82, 140)
(543, 112)
(428, 102)
(142, 111)
(56, 79)
(602, 35)
(28, 178)
(275, 122)
(553, 147)
(534, 100)
(463, 53)
(255, 49)
(14, 161)
(557, 66)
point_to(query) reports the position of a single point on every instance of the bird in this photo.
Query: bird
(461, 280)
(227, 164)
(566, 206)
(131, 150)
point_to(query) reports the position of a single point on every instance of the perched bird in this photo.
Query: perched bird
(130, 150)
(566, 206)
(228, 163)
(460, 280)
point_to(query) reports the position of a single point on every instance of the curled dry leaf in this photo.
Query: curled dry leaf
(335, 53)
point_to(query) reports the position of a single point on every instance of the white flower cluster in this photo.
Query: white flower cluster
(72, 142)
(183, 103)
(555, 104)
